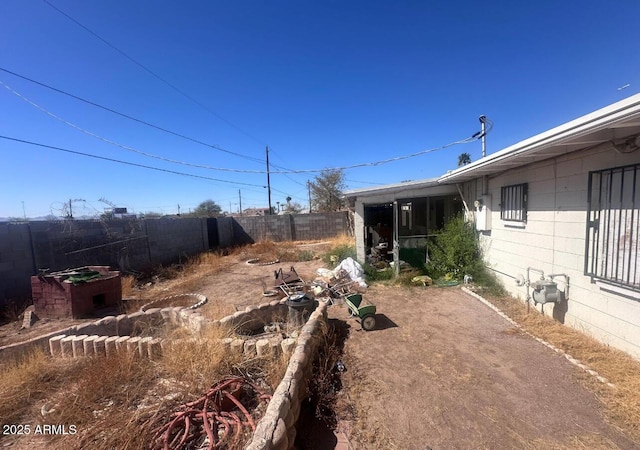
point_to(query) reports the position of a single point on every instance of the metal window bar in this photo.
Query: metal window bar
(613, 226)
(513, 202)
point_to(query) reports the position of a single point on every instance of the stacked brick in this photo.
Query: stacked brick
(83, 345)
(276, 430)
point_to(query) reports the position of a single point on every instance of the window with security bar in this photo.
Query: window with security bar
(613, 226)
(513, 203)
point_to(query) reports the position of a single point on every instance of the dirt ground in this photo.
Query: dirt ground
(441, 371)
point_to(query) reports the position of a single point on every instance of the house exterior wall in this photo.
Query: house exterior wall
(553, 240)
(361, 202)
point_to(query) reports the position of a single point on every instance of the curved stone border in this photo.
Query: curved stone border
(569, 358)
(255, 262)
(200, 300)
(122, 325)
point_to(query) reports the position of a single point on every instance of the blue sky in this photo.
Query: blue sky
(323, 83)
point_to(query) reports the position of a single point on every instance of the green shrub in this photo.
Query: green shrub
(455, 251)
(306, 255)
(373, 273)
(333, 257)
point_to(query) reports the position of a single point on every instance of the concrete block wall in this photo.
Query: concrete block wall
(277, 428)
(16, 260)
(553, 240)
(138, 245)
(175, 239)
(320, 226)
(123, 244)
(250, 229)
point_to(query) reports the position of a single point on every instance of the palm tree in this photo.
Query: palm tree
(464, 159)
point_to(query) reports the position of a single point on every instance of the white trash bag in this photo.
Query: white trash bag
(354, 269)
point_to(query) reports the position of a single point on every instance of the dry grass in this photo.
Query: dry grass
(27, 382)
(623, 402)
(367, 427)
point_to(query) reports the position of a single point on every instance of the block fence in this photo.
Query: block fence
(141, 244)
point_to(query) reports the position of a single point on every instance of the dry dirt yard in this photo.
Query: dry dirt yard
(441, 371)
(446, 372)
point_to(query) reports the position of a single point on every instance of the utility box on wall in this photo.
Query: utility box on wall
(483, 213)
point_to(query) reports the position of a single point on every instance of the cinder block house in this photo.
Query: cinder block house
(563, 206)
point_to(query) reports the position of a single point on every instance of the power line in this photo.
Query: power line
(152, 73)
(125, 162)
(474, 137)
(105, 108)
(117, 144)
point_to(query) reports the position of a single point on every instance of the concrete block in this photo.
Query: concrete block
(124, 326)
(226, 344)
(288, 345)
(66, 343)
(99, 345)
(185, 315)
(290, 419)
(55, 346)
(88, 345)
(139, 322)
(121, 343)
(110, 345)
(166, 314)
(107, 326)
(250, 348)
(280, 440)
(291, 435)
(155, 348)
(143, 346)
(274, 343)
(133, 345)
(300, 354)
(226, 321)
(263, 348)
(77, 345)
(154, 318)
(89, 329)
(295, 406)
(196, 323)
(310, 327)
(174, 315)
(237, 346)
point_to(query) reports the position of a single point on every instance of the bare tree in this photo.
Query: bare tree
(326, 190)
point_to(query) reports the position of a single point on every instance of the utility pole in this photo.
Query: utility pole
(70, 210)
(268, 180)
(309, 189)
(483, 122)
(240, 199)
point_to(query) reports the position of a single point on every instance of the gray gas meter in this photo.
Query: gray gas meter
(545, 291)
